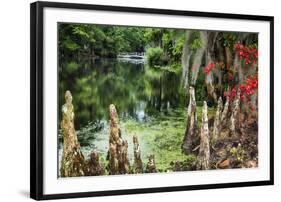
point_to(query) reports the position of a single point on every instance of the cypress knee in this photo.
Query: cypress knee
(234, 113)
(118, 148)
(204, 151)
(151, 166)
(113, 161)
(72, 163)
(124, 165)
(217, 122)
(191, 126)
(137, 155)
(94, 167)
(225, 112)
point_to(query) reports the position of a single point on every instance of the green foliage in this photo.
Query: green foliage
(178, 47)
(173, 68)
(229, 39)
(201, 89)
(155, 56)
(99, 40)
(72, 67)
(167, 40)
(170, 40)
(163, 46)
(195, 44)
(153, 36)
(195, 41)
(134, 37)
(69, 45)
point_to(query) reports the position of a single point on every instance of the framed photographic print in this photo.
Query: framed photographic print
(136, 100)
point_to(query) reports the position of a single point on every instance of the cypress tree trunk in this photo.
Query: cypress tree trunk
(185, 60)
(229, 57)
(198, 55)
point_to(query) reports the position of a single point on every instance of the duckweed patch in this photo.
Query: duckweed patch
(161, 135)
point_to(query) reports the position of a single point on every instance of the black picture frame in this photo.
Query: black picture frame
(37, 99)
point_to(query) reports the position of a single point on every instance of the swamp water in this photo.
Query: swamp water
(150, 103)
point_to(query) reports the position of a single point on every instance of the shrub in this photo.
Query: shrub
(155, 56)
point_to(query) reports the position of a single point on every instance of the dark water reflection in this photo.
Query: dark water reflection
(137, 90)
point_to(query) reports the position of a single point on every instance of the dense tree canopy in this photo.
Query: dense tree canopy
(99, 40)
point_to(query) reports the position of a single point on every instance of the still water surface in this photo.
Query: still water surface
(150, 103)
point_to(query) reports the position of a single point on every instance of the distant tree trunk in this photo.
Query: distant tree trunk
(229, 57)
(72, 163)
(191, 127)
(217, 122)
(93, 54)
(210, 87)
(204, 151)
(210, 57)
(160, 94)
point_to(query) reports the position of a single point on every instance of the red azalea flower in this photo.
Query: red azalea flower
(247, 88)
(241, 53)
(253, 50)
(245, 52)
(237, 46)
(209, 68)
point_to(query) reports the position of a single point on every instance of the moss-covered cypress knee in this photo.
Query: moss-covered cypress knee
(204, 151)
(191, 126)
(72, 163)
(137, 155)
